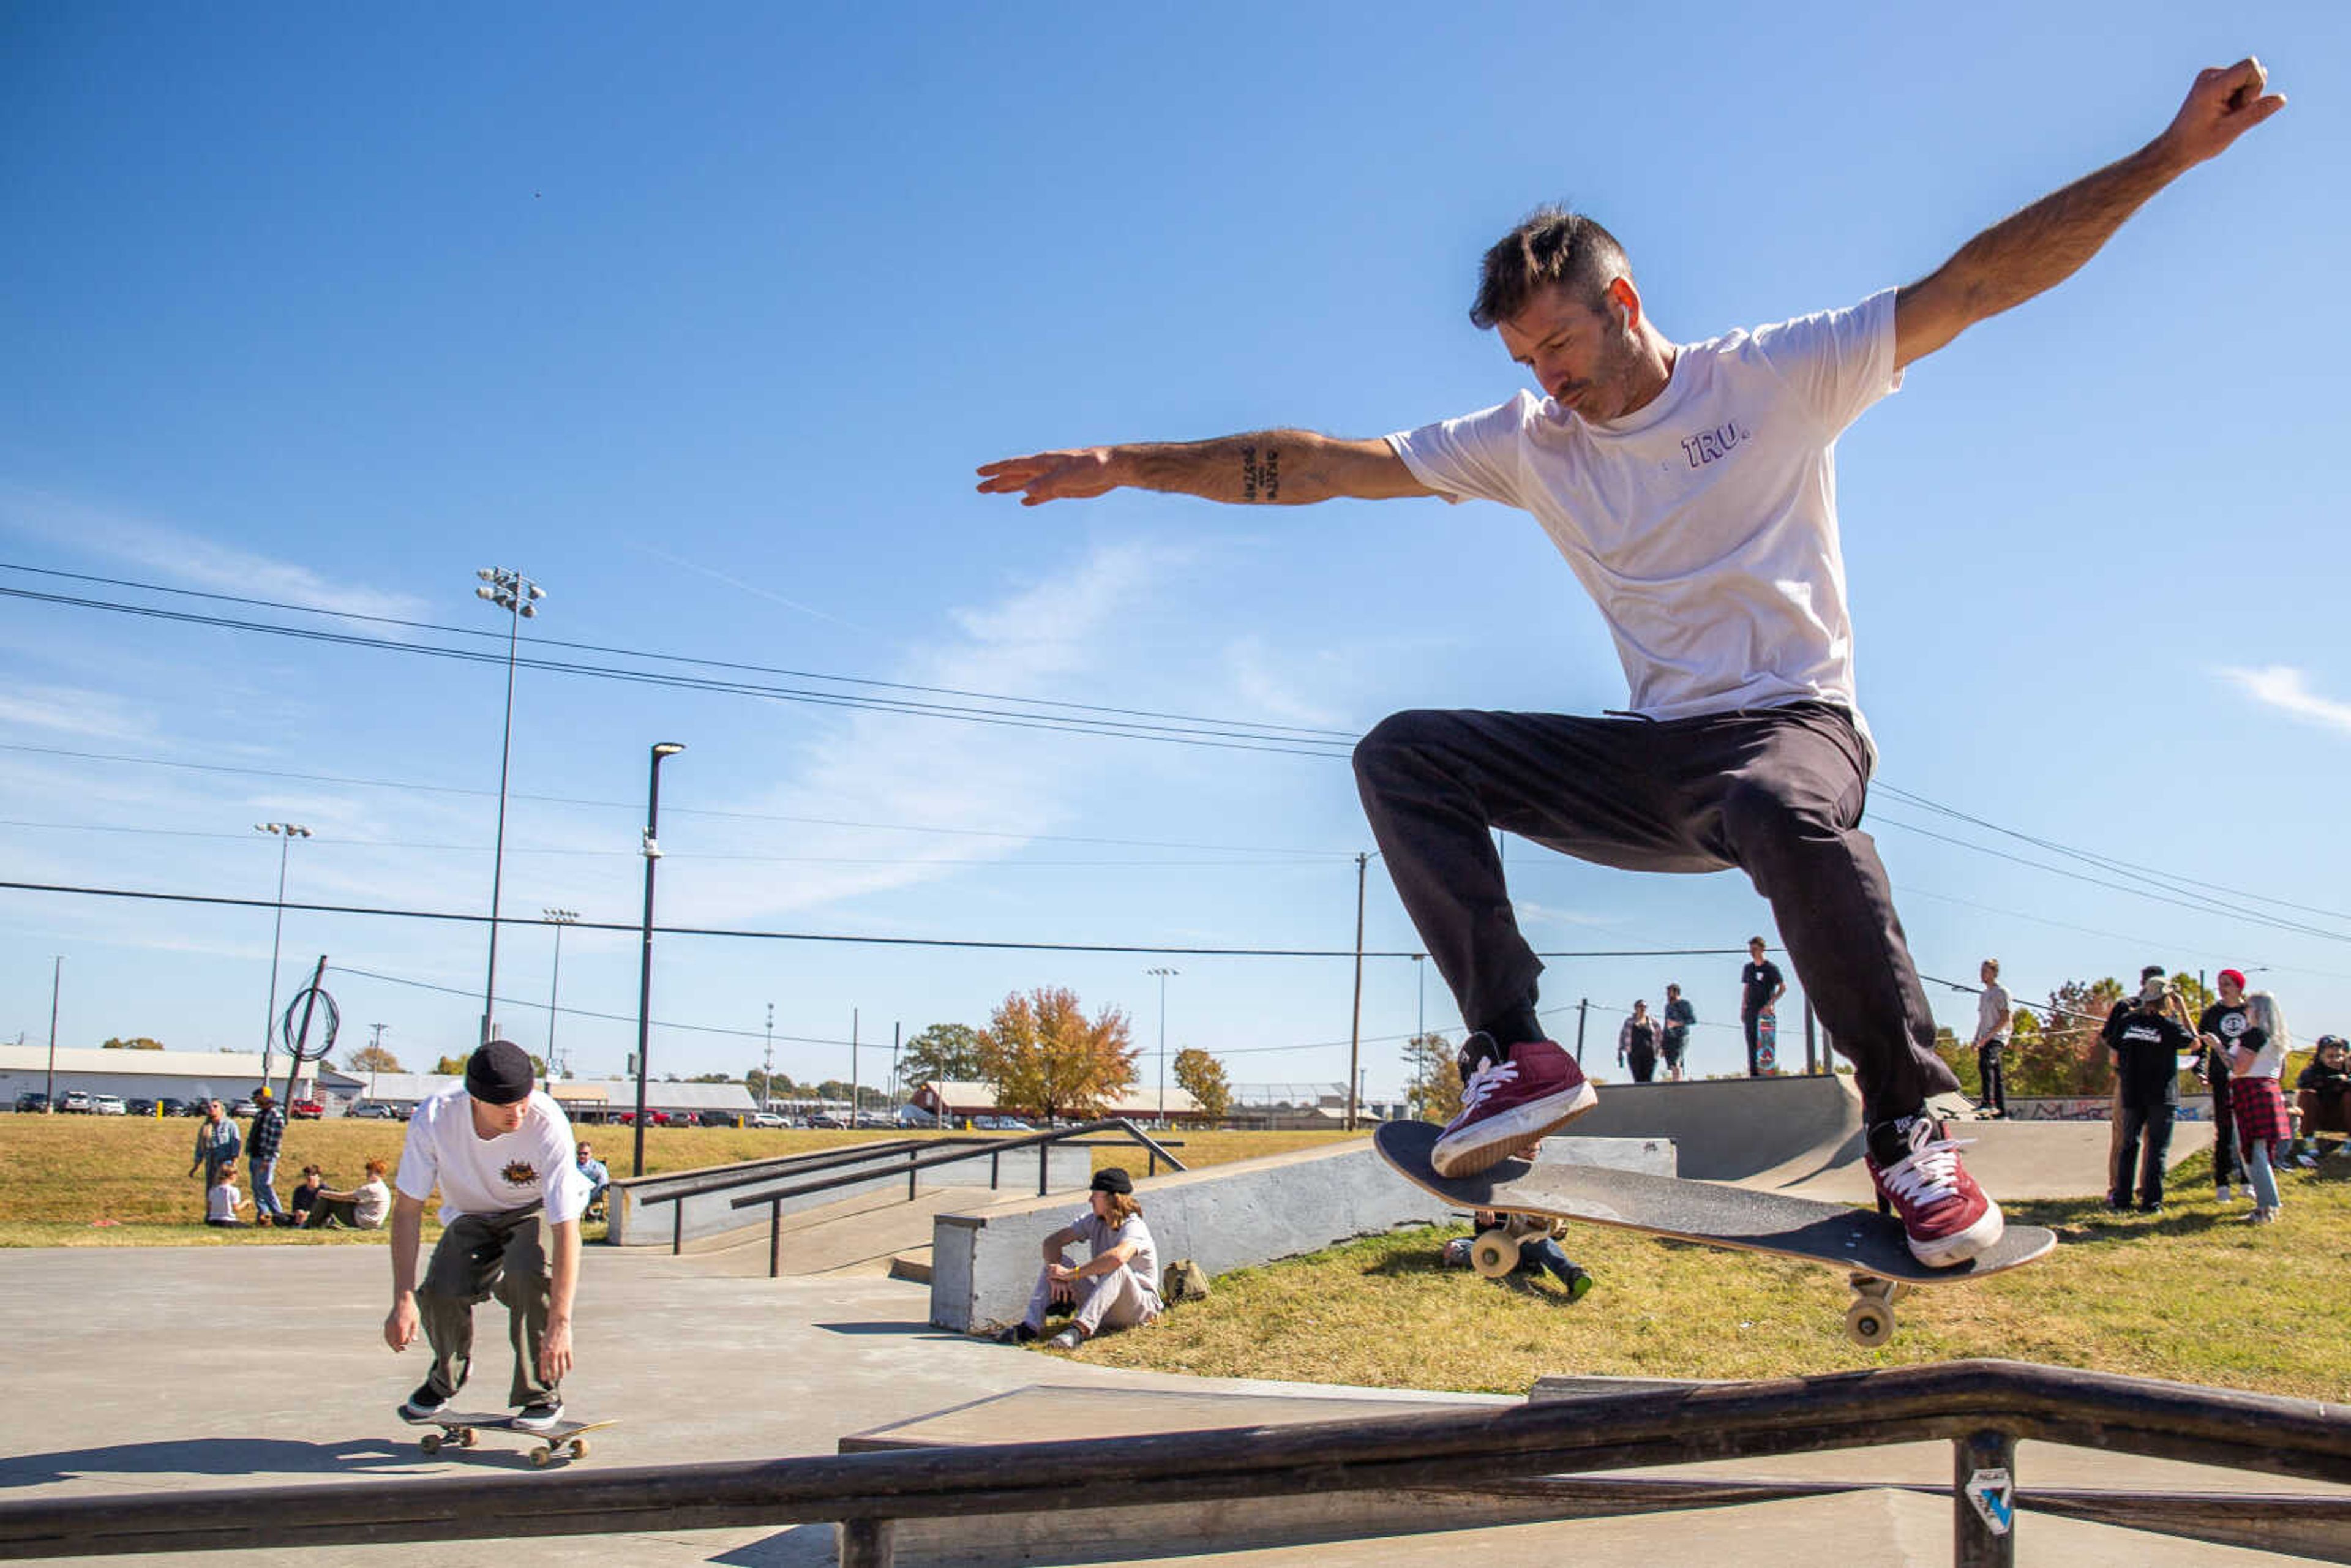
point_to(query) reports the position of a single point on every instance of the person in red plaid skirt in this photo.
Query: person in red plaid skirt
(2257, 1103)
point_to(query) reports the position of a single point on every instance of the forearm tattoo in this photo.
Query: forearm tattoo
(1260, 478)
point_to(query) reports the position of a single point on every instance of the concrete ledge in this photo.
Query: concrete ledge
(984, 1264)
(636, 1223)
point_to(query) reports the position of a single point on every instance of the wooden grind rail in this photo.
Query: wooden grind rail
(1982, 1406)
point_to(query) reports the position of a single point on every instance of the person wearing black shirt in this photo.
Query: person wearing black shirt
(2323, 1094)
(1760, 986)
(2147, 1042)
(1678, 1020)
(1636, 1044)
(2225, 1021)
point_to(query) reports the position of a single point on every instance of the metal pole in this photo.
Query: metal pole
(1356, 1030)
(499, 852)
(768, 1070)
(286, 833)
(853, 1069)
(1812, 1060)
(1983, 1500)
(1163, 973)
(1583, 1009)
(376, 1048)
(645, 964)
(57, 980)
(561, 918)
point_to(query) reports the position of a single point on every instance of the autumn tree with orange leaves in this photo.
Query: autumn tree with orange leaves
(1043, 1056)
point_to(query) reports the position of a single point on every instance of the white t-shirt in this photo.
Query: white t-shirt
(491, 1176)
(1991, 1006)
(1704, 526)
(221, 1202)
(370, 1201)
(1102, 1236)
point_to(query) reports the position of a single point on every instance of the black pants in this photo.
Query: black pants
(1994, 1076)
(1775, 792)
(1643, 1064)
(2228, 1165)
(2146, 1143)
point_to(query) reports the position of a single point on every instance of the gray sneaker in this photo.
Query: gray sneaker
(1070, 1338)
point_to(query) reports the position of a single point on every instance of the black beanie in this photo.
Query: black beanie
(1112, 1179)
(499, 1074)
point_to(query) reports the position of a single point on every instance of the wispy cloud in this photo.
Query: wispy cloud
(753, 589)
(1252, 667)
(73, 710)
(187, 558)
(2287, 689)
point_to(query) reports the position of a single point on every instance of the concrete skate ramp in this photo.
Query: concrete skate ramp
(1736, 1129)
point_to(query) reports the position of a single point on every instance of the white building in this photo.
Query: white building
(162, 1074)
(585, 1100)
(956, 1100)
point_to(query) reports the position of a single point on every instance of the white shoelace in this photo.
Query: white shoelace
(1484, 1081)
(1929, 1176)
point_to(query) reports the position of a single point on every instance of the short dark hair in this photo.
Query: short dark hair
(1552, 245)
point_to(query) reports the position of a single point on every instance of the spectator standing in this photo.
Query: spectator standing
(1761, 988)
(222, 1200)
(1637, 1044)
(2323, 1095)
(2146, 1041)
(510, 1203)
(2218, 1029)
(1680, 1018)
(1993, 1023)
(218, 1144)
(361, 1209)
(1117, 1288)
(2255, 1062)
(599, 1177)
(261, 1157)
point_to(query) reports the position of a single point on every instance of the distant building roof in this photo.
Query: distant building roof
(602, 1093)
(225, 1072)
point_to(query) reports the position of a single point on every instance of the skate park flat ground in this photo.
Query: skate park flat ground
(165, 1369)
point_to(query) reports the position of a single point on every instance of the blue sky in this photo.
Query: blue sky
(704, 316)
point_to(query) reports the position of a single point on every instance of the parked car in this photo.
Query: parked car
(768, 1119)
(108, 1105)
(76, 1102)
(916, 1116)
(826, 1119)
(244, 1108)
(373, 1111)
(32, 1102)
(141, 1107)
(306, 1111)
(184, 1107)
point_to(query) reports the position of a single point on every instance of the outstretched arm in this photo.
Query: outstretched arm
(2047, 243)
(1280, 467)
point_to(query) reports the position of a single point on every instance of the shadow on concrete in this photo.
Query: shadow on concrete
(802, 1546)
(254, 1457)
(910, 1327)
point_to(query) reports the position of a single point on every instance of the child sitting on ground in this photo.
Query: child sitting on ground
(222, 1201)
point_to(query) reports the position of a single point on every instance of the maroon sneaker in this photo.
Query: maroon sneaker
(1945, 1215)
(1509, 1105)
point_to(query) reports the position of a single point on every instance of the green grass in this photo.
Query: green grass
(2194, 1294)
(123, 1181)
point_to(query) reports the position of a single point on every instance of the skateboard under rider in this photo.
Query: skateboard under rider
(1533, 1196)
(463, 1429)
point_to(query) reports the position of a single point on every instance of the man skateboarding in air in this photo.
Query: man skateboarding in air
(1691, 487)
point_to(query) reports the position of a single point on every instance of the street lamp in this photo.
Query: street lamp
(517, 596)
(286, 833)
(558, 918)
(645, 966)
(1162, 975)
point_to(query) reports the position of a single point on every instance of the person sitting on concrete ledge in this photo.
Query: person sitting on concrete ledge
(1118, 1287)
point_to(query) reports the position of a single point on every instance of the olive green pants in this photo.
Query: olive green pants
(480, 1255)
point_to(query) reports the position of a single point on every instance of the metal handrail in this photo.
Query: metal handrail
(1982, 1406)
(694, 1184)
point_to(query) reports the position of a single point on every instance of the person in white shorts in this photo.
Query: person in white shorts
(510, 1201)
(1117, 1289)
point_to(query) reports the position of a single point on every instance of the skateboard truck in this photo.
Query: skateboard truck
(1869, 1321)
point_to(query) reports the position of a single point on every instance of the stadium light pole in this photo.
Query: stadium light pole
(56, 978)
(1162, 975)
(558, 918)
(286, 833)
(1355, 1030)
(518, 596)
(645, 966)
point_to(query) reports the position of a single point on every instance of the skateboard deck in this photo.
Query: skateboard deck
(1871, 1248)
(463, 1429)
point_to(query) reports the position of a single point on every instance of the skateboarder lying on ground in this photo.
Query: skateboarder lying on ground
(1691, 487)
(1117, 1288)
(510, 1203)
(1536, 1253)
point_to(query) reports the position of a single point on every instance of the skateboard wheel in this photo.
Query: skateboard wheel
(578, 1447)
(1494, 1254)
(540, 1456)
(1869, 1324)
(467, 1438)
(429, 1442)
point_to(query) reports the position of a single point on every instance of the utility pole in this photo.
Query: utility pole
(375, 1047)
(768, 1067)
(1162, 975)
(1356, 1030)
(852, 1067)
(518, 596)
(56, 978)
(663, 749)
(896, 1029)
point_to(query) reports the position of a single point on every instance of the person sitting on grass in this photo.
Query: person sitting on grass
(222, 1200)
(1536, 1253)
(600, 1177)
(1118, 1287)
(2323, 1094)
(304, 1202)
(361, 1209)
